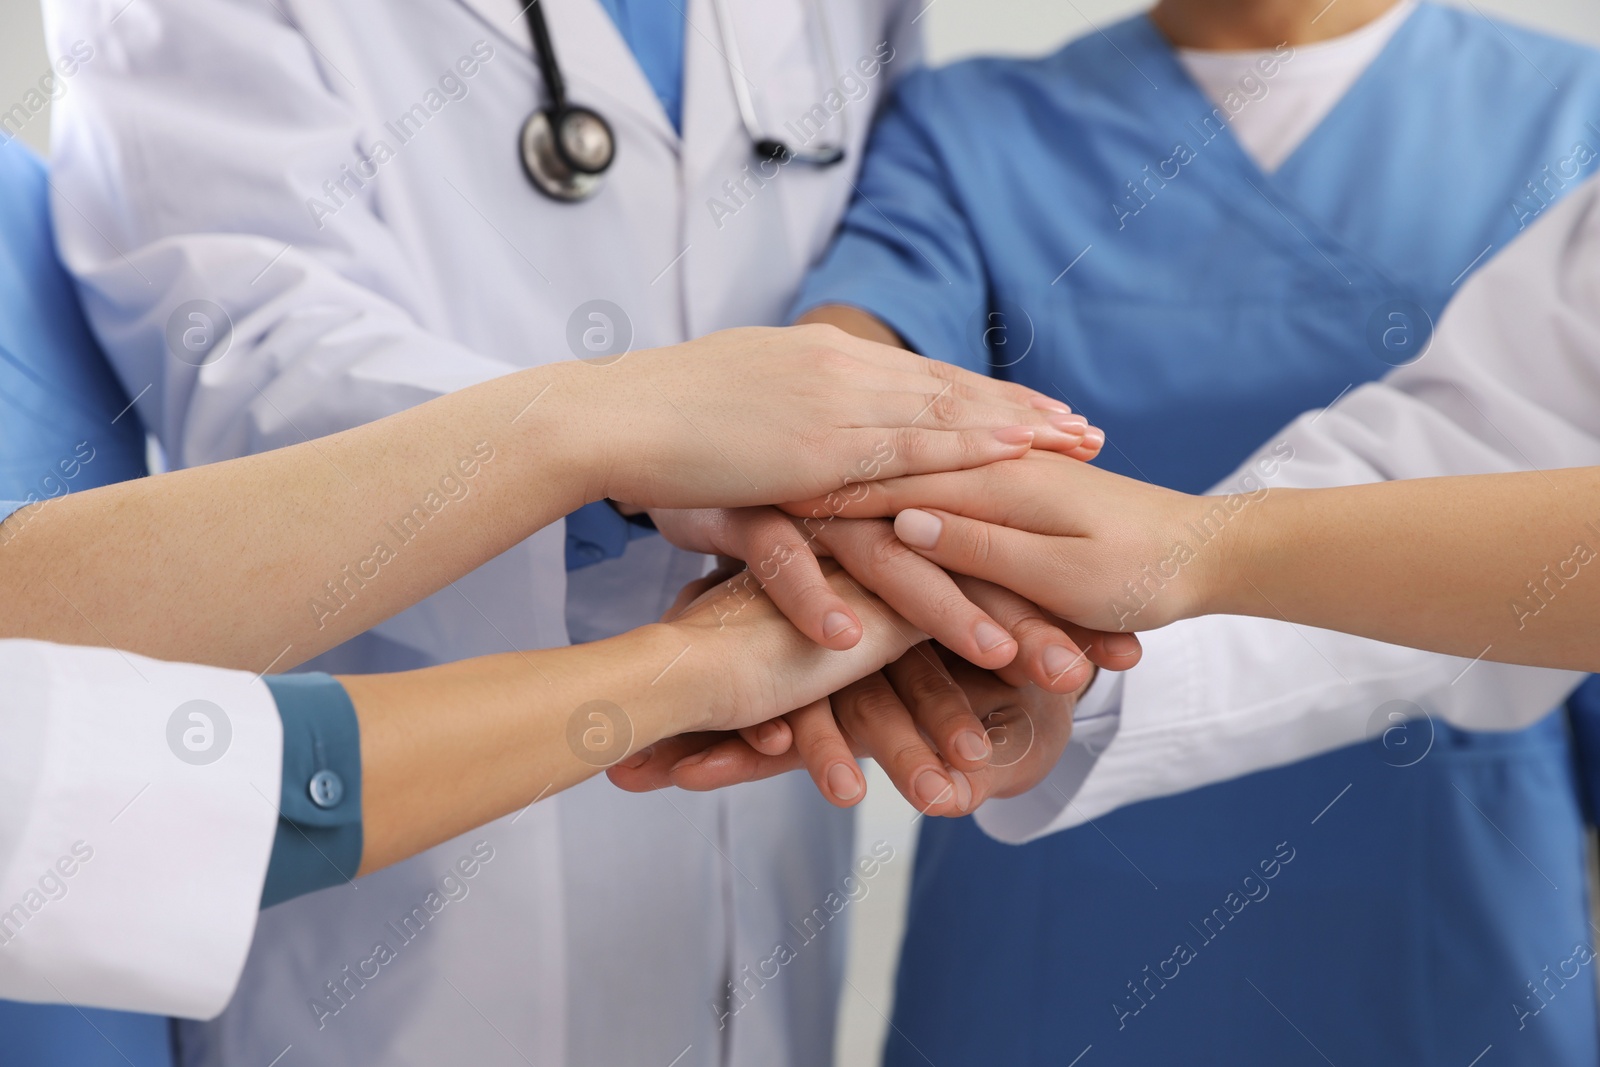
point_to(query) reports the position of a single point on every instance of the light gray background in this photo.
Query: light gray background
(954, 28)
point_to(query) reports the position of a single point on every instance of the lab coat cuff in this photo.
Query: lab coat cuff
(133, 871)
(319, 838)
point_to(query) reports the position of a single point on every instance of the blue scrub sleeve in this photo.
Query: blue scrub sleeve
(319, 809)
(7, 507)
(905, 251)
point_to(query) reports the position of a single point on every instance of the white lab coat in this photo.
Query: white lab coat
(187, 153)
(130, 878)
(1511, 382)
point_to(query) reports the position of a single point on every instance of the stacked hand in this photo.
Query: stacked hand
(1094, 547)
(949, 733)
(946, 719)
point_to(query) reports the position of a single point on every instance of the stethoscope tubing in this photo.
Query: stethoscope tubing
(579, 181)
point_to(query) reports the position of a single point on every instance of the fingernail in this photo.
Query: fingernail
(1094, 436)
(842, 782)
(1058, 660)
(637, 760)
(972, 746)
(767, 732)
(931, 788)
(1070, 423)
(836, 623)
(919, 529)
(690, 761)
(963, 790)
(1044, 403)
(990, 636)
(1121, 644)
(1014, 435)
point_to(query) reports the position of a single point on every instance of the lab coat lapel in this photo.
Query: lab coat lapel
(599, 67)
(739, 209)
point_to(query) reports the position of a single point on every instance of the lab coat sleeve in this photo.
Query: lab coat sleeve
(138, 805)
(195, 152)
(1511, 381)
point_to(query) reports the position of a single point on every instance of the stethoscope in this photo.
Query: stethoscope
(566, 147)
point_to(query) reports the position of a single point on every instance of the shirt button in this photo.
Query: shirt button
(326, 789)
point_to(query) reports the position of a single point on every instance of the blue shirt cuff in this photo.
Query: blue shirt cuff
(598, 531)
(319, 837)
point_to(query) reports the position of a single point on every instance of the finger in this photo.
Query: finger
(1027, 727)
(880, 726)
(783, 561)
(1094, 439)
(893, 357)
(1048, 655)
(651, 768)
(1111, 651)
(939, 708)
(825, 751)
(1020, 561)
(770, 738)
(1024, 494)
(920, 591)
(730, 762)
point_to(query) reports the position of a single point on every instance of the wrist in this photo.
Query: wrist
(680, 690)
(566, 418)
(618, 409)
(1235, 580)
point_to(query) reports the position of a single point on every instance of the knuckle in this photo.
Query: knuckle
(882, 550)
(944, 409)
(929, 687)
(1033, 628)
(977, 543)
(950, 604)
(905, 756)
(910, 446)
(824, 354)
(875, 706)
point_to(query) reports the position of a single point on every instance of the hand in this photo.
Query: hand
(755, 416)
(1090, 546)
(1023, 732)
(758, 665)
(975, 619)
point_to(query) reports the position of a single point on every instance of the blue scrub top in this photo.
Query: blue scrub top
(1087, 225)
(65, 425)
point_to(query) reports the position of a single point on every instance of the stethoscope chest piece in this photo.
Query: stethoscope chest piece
(565, 152)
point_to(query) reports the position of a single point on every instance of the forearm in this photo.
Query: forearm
(1490, 565)
(449, 748)
(271, 559)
